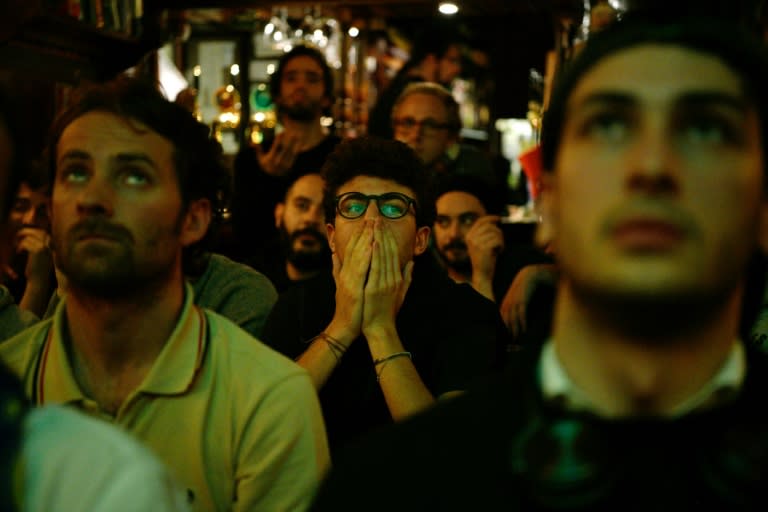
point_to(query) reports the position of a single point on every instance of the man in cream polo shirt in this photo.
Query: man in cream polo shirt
(135, 186)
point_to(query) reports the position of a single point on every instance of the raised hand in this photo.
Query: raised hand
(514, 307)
(484, 243)
(34, 242)
(281, 155)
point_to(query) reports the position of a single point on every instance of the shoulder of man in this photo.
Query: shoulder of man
(22, 351)
(236, 291)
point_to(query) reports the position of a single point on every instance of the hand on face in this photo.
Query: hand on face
(350, 282)
(370, 284)
(281, 155)
(34, 242)
(484, 242)
(387, 282)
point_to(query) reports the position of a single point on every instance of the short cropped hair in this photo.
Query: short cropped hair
(490, 197)
(739, 49)
(197, 157)
(379, 158)
(438, 91)
(302, 50)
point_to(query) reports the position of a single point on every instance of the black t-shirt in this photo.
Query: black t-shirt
(451, 330)
(501, 447)
(256, 193)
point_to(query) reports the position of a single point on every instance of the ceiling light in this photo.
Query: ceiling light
(448, 8)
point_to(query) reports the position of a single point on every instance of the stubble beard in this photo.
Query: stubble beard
(462, 266)
(305, 112)
(305, 259)
(110, 272)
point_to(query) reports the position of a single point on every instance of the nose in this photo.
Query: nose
(372, 212)
(314, 216)
(28, 217)
(454, 230)
(653, 163)
(96, 197)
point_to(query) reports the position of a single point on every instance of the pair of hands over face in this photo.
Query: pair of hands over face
(370, 284)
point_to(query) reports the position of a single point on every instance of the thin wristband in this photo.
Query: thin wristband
(334, 345)
(381, 363)
(377, 362)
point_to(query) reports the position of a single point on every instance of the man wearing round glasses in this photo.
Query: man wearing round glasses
(426, 117)
(388, 332)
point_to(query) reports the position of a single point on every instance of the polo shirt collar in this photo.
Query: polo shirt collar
(172, 373)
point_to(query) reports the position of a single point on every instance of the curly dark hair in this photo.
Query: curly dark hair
(197, 157)
(379, 158)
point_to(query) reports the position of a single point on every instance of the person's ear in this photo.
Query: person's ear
(546, 230)
(196, 221)
(279, 212)
(421, 241)
(331, 231)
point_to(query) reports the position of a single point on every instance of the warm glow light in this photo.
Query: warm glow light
(353, 31)
(448, 8)
(197, 70)
(234, 70)
(270, 69)
(269, 28)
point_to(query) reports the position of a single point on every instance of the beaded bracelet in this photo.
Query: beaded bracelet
(382, 362)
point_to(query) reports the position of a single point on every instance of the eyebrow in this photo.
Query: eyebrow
(78, 154)
(686, 100)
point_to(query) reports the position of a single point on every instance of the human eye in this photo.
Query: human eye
(135, 176)
(301, 205)
(709, 128)
(467, 219)
(353, 206)
(21, 205)
(393, 206)
(73, 173)
(407, 122)
(443, 221)
(606, 125)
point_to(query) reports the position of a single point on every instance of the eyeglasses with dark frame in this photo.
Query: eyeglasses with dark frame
(392, 205)
(428, 125)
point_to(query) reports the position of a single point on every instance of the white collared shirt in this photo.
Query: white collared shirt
(556, 385)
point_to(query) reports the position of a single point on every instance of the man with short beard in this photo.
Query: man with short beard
(469, 241)
(135, 181)
(300, 250)
(302, 91)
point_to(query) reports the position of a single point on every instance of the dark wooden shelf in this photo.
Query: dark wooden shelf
(68, 50)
